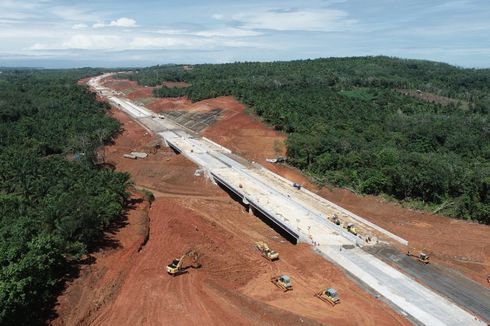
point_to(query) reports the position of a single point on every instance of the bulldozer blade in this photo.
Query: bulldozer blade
(325, 299)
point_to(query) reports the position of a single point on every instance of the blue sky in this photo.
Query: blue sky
(51, 33)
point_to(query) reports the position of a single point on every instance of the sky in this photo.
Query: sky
(117, 33)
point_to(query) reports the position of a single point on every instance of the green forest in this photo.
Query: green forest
(349, 123)
(55, 202)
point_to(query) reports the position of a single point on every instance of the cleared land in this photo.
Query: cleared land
(171, 178)
(301, 217)
(126, 286)
(462, 245)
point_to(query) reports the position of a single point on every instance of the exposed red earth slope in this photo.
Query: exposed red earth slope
(462, 245)
(128, 285)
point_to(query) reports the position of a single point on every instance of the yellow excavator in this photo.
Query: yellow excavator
(176, 267)
(267, 252)
(328, 295)
(421, 257)
(283, 282)
(352, 229)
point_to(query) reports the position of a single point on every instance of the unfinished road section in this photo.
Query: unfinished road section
(301, 215)
(448, 282)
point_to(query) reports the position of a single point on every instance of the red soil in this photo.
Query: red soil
(129, 286)
(99, 282)
(462, 245)
(141, 93)
(234, 281)
(244, 133)
(122, 84)
(84, 81)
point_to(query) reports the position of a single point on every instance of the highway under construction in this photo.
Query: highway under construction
(302, 216)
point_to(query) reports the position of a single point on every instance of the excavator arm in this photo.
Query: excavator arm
(177, 265)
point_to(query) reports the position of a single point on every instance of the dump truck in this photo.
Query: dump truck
(328, 295)
(283, 282)
(177, 267)
(421, 256)
(351, 228)
(267, 252)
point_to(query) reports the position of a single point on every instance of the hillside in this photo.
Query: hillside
(349, 122)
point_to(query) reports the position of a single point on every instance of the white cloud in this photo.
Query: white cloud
(26, 4)
(218, 16)
(121, 22)
(85, 42)
(15, 16)
(170, 31)
(147, 42)
(116, 42)
(73, 14)
(227, 32)
(93, 42)
(240, 44)
(324, 20)
(80, 26)
(99, 25)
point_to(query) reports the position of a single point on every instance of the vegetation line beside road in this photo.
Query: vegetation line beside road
(55, 202)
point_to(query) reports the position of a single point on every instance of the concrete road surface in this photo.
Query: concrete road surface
(458, 288)
(303, 214)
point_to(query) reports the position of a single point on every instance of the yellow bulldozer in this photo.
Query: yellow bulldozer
(352, 229)
(176, 267)
(267, 252)
(422, 256)
(328, 295)
(283, 282)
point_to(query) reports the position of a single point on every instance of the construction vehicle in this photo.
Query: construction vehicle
(176, 267)
(283, 282)
(351, 228)
(279, 159)
(336, 219)
(266, 251)
(328, 295)
(421, 257)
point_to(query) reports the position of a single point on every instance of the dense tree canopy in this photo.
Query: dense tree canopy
(349, 124)
(51, 207)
